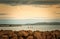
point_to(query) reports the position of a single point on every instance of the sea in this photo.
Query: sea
(31, 27)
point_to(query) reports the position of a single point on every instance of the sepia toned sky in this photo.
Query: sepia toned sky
(23, 14)
(30, 11)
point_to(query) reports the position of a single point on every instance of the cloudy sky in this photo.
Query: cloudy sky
(14, 2)
(29, 13)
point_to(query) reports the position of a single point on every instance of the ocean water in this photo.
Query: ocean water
(32, 27)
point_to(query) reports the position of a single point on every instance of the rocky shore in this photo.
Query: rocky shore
(29, 34)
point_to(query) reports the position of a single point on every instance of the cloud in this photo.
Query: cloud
(14, 2)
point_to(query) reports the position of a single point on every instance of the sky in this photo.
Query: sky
(28, 13)
(26, 21)
(14, 2)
